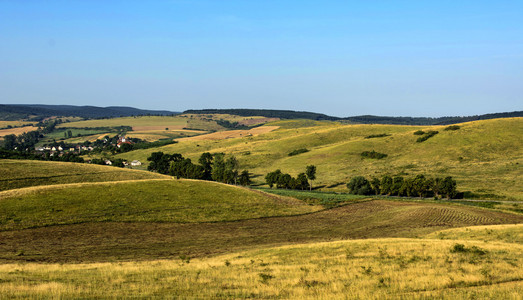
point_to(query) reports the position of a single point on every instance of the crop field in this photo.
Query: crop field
(357, 269)
(485, 157)
(28, 173)
(16, 131)
(4, 124)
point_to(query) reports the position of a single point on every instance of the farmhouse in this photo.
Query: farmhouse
(136, 163)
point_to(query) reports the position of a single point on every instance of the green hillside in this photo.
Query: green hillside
(485, 157)
(164, 200)
(26, 173)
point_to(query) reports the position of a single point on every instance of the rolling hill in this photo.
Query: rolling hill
(485, 157)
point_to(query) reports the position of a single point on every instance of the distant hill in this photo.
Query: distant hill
(366, 119)
(40, 111)
(269, 113)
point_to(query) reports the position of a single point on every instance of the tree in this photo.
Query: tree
(375, 184)
(218, 167)
(448, 187)
(205, 161)
(397, 182)
(244, 178)
(272, 177)
(311, 174)
(10, 142)
(386, 185)
(359, 186)
(420, 185)
(301, 181)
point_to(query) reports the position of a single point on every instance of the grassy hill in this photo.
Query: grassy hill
(26, 173)
(358, 269)
(485, 157)
(160, 200)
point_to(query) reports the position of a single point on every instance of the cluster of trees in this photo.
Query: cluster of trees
(214, 167)
(286, 181)
(70, 157)
(419, 186)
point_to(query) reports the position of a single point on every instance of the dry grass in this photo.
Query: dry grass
(360, 269)
(229, 134)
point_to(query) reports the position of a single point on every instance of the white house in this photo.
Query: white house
(136, 163)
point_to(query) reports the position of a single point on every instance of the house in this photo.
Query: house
(60, 148)
(108, 162)
(136, 163)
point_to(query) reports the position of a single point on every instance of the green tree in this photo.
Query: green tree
(272, 177)
(397, 182)
(359, 186)
(448, 187)
(420, 185)
(206, 160)
(375, 184)
(302, 182)
(311, 174)
(244, 178)
(10, 142)
(386, 185)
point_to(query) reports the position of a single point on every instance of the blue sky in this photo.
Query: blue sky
(343, 58)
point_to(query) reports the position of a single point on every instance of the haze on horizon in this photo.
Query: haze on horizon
(341, 58)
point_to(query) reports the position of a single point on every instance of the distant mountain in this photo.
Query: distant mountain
(40, 111)
(366, 119)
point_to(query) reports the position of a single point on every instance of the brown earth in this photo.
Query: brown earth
(118, 241)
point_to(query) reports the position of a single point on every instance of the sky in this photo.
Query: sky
(341, 58)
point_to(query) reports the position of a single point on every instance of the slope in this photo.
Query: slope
(485, 157)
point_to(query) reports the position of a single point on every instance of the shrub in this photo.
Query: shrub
(419, 132)
(452, 127)
(377, 135)
(373, 154)
(427, 136)
(298, 151)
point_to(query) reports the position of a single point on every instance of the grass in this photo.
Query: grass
(508, 233)
(175, 201)
(359, 269)
(326, 199)
(97, 237)
(26, 173)
(484, 157)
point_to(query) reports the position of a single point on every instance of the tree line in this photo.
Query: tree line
(214, 167)
(286, 181)
(418, 186)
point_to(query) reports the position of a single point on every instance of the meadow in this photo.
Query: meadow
(357, 269)
(28, 173)
(485, 157)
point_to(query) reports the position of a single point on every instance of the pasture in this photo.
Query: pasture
(485, 157)
(358, 269)
(29, 173)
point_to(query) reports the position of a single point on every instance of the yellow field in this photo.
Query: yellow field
(16, 131)
(354, 269)
(4, 124)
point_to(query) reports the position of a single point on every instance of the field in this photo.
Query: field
(27, 173)
(71, 230)
(485, 157)
(357, 269)
(16, 131)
